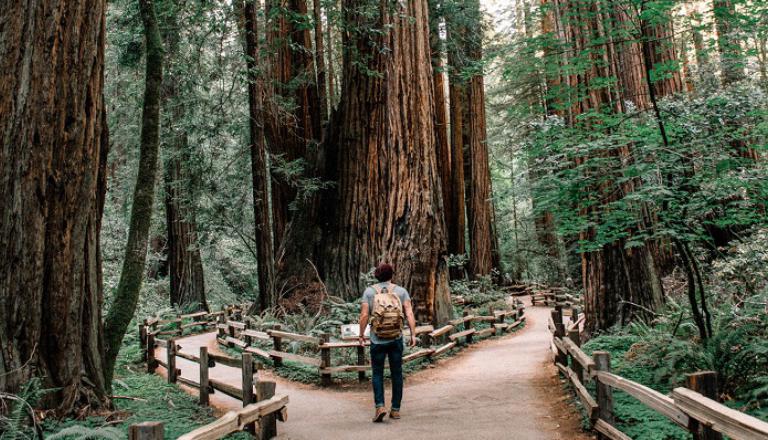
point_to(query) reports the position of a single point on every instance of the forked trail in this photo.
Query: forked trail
(504, 388)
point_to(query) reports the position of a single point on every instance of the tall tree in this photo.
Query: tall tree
(456, 91)
(465, 25)
(185, 265)
(293, 108)
(388, 200)
(53, 148)
(483, 254)
(437, 46)
(380, 154)
(259, 172)
(132, 274)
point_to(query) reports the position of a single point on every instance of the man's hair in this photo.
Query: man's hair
(383, 272)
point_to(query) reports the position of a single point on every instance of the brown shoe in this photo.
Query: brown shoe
(394, 414)
(381, 412)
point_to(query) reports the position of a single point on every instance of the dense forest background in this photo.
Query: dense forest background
(274, 152)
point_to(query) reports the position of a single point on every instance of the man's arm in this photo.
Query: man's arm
(411, 321)
(363, 321)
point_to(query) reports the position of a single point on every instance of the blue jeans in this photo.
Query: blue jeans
(379, 352)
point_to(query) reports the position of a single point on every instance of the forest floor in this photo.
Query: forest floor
(498, 388)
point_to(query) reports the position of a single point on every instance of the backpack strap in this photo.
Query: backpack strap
(390, 288)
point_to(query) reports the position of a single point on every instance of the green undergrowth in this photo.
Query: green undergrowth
(142, 397)
(650, 355)
(633, 418)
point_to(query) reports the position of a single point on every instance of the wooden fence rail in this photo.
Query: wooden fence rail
(251, 418)
(257, 396)
(240, 335)
(691, 408)
(434, 342)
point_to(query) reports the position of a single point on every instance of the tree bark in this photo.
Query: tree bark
(132, 274)
(53, 148)
(443, 150)
(259, 170)
(456, 226)
(293, 108)
(185, 266)
(388, 189)
(483, 247)
(385, 205)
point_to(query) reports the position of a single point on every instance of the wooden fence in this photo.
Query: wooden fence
(261, 408)
(555, 296)
(433, 342)
(257, 418)
(693, 408)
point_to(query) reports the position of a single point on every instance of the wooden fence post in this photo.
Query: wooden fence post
(704, 383)
(171, 352)
(604, 393)
(558, 313)
(361, 361)
(277, 343)
(575, 312)
(150, 354)
(247, 339)
(143, 339)
(146, 431)
(268, 424)
(467, 326)
(325, 359)
(230, 333)
(560, 356)
(248, 395)
(575, 337)
(204, 384)
(222, 319)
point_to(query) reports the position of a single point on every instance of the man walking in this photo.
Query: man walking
(386, 304)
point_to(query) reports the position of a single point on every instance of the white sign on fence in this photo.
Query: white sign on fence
(352, 331)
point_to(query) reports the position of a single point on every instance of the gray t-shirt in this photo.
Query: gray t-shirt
(368, 295)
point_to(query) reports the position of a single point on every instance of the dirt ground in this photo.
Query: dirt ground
(501, 388)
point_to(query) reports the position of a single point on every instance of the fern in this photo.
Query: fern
(20, 422)
(78, 432)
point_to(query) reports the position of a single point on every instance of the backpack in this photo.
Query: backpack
(387, 316)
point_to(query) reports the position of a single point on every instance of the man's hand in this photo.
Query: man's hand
(413, 342)
(361, 340)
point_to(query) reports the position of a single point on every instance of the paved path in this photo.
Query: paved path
(501, 388)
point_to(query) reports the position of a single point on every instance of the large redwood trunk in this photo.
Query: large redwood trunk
(456, 216)
(389, 206)
(185, 266)
(259, 172)
(443, 147)
(483, 248)
(293, 108)
(53, 147)
(386, 204)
